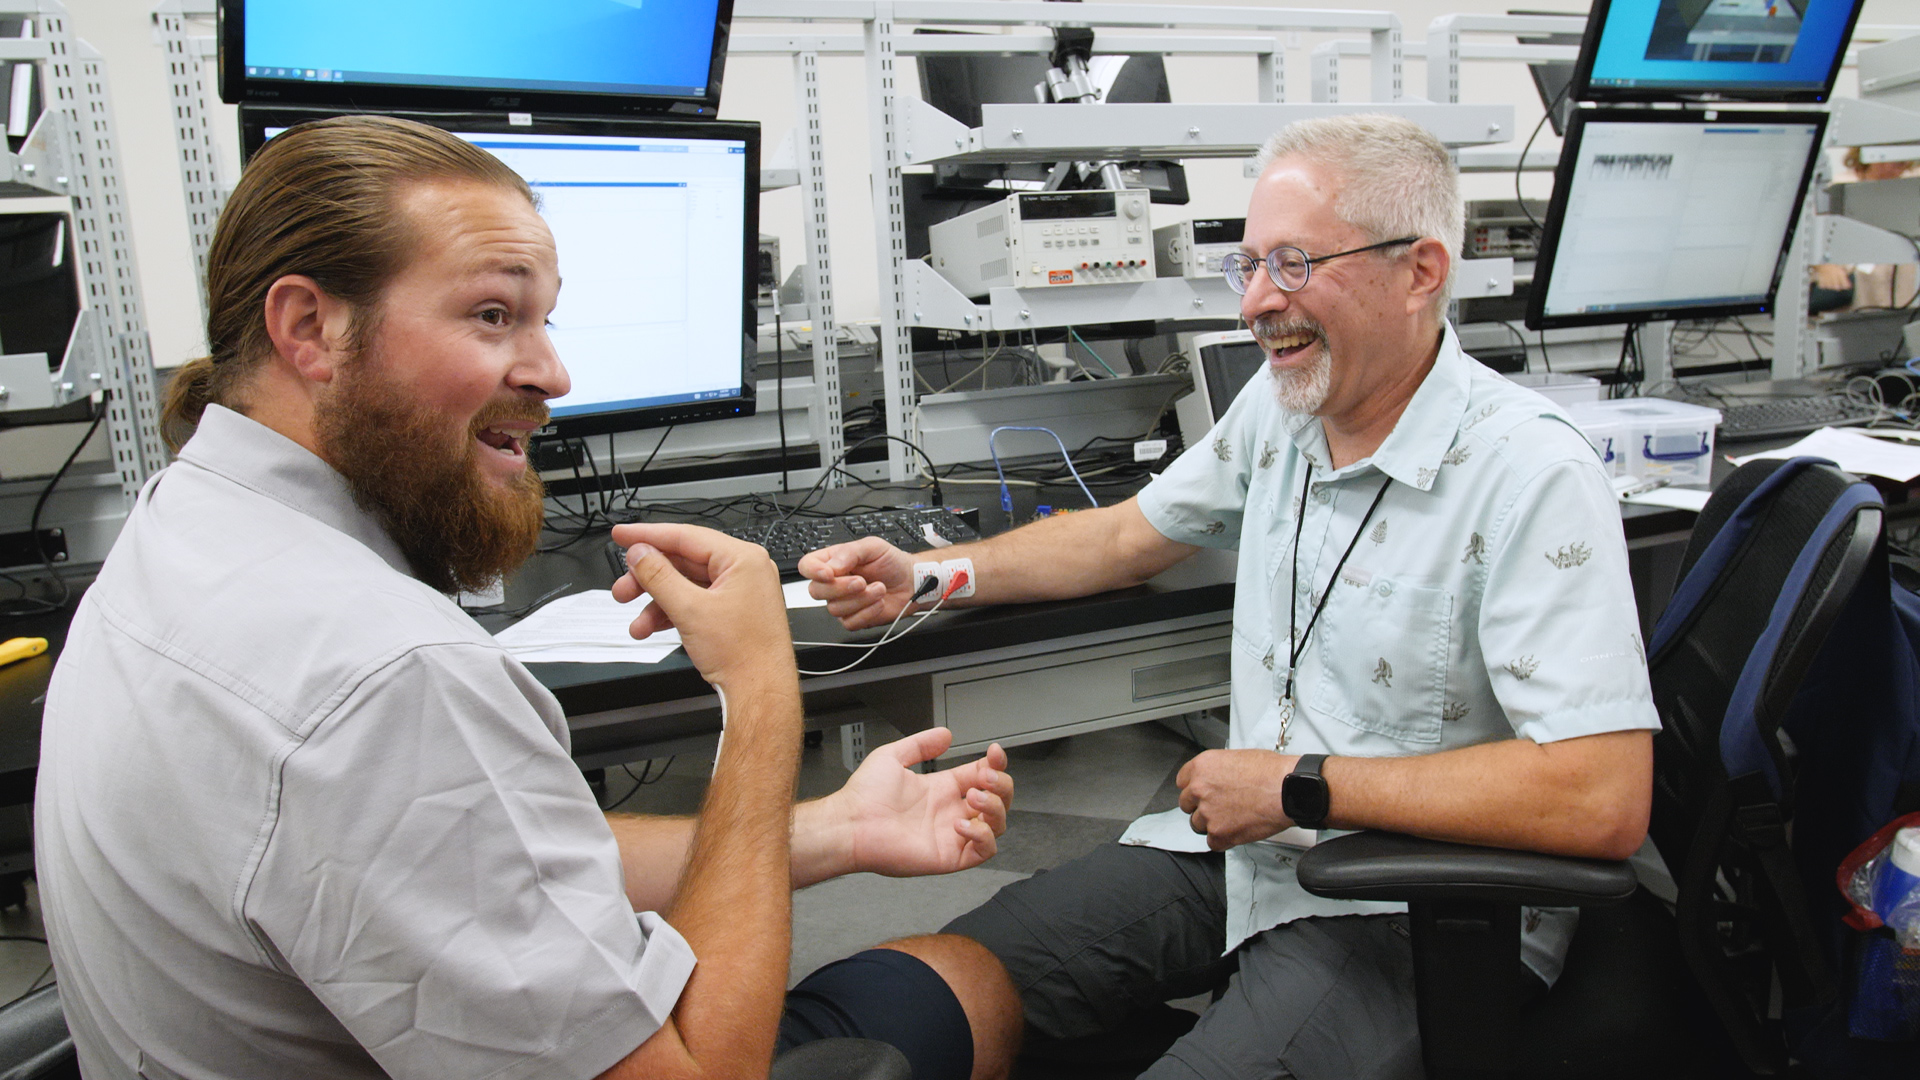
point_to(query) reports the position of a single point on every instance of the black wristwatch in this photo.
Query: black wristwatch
(1303, 794)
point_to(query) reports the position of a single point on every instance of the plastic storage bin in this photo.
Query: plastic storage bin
(1667, 440)
(1606, 429)
(1562, 390)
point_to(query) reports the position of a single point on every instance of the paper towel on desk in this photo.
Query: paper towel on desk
(1852, 451)
(585, 628)
(591, 628)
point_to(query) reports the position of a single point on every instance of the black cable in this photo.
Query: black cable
(1521, 164)
(645, 779)
(34, 606)
(780, 390)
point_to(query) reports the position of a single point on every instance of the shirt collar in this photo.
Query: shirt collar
(262, 460)
(1424, 433)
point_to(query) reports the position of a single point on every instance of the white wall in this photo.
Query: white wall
(758, 89)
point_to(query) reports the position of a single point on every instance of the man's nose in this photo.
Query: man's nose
(541, 371)
(1262, 295)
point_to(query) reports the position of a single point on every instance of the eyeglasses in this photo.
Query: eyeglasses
(1289, 267)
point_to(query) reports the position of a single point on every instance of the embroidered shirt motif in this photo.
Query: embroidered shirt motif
(1476, 549)
(1570, 556)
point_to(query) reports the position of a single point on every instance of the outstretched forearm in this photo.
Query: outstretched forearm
(1588, 796)
(1068, 555)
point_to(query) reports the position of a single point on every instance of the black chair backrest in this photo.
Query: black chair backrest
(1774, 558)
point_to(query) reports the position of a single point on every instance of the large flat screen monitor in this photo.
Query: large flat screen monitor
(1731, 50)
(1671, 215)
(609, 57)
(657, 223)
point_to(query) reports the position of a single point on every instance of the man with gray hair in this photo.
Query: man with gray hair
(1433, 633)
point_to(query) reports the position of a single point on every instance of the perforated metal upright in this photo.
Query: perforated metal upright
(187, 51)
(890, 239)
(818, 279)
(75, 88)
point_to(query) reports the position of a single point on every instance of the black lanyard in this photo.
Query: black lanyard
(1297, 645)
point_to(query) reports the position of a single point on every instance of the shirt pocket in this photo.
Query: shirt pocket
(1383, 662)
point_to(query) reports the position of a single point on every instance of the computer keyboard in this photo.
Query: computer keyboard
(788, 539)
(1777, 418)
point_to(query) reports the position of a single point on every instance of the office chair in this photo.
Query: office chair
(34, 1043)
(1774, 558)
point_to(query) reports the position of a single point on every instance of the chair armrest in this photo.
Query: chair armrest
(1393, 866)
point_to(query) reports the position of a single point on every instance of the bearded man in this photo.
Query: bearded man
(1433, 633)
(298, 815)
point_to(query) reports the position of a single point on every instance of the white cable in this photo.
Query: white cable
(885, 637)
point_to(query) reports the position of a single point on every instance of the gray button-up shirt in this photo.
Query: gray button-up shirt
(1486, 598)
(298, 815)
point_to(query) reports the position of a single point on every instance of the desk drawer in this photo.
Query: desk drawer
(1061, 693)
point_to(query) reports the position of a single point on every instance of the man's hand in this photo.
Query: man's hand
(1233, 796)
(865, 583)
(890, 820)
(722, 594)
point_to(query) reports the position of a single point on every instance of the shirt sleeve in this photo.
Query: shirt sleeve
(1558, 626)
(440, 877)
(1201, 498)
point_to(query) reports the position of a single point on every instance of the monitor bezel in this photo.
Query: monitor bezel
(1536, 317)
(1582, 88)
(256, 119)
(236, 88)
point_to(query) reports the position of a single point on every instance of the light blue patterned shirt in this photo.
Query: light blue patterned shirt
(1488, 598)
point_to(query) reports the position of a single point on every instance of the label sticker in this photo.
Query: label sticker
(1059, 277)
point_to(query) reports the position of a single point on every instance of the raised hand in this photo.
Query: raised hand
(721, 593)
(890, 820)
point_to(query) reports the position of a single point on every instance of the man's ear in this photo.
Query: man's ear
(309, 327)
(1430, 265)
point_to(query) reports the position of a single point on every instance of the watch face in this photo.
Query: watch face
(1303, 797)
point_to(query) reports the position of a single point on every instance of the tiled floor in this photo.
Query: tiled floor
(1069, 795)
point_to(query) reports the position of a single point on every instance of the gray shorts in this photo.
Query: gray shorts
(1098, 945)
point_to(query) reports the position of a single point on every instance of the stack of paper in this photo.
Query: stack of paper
(585, 628)
(591, 628)
(1853, 451)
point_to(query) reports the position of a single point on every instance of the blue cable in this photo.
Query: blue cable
(1006, 497)
(1096, 356)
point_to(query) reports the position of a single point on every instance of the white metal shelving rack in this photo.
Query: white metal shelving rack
(70, 153)
(906, 132)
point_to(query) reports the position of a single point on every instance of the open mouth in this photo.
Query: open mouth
(511, 444)
(1290, 345)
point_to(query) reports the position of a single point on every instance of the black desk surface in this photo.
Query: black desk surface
(1197, 587)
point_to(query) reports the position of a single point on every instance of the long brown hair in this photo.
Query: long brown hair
(321, 199)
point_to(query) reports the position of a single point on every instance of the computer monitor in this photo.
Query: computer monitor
(657, 223)
(1732, 50)
(606, 57)
(39, 285)
(1221, 364)
(1661, 214)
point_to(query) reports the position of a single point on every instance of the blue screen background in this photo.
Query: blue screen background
(1623, 47)
(642, 43)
